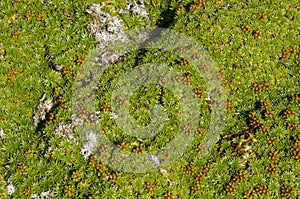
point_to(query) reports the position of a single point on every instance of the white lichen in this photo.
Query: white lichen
(65, 131)
(156, 160)
(114, 116)
(89, 144)
(43, 108)
(77, 120)
(106, 28)
(10, 187)
(2, 52)
(2, 134)
(43, 195)
(135, 7)
(109, 29)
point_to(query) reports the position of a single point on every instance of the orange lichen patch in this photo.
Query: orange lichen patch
(185, 62)
(230, 188)
(139, 149)
(41, 16)
(292, 126)
(22, 169)
(264, 128)
(255, 122)
(273, 156)
(198, 4)
(28, 191)
(196, 189)
(296, 151)
(239, 177)
(271, 169)
(123, 146)
(16, 34)
(271, 140)
(29, 14)
(105, 107)
(229, 106)
(67, 71)
(170, 195)
(198, 93)
(93, 161)
(296, 98)
(80, 60)
(288, 113)
(262, 189)
(247, 28)
(68, 190)
(11, 75)
(264, 104)
(260, 87)
(188, 78)
(16, 1)
(250, 194)
(256, 33)
(262, 16)
(287, 191)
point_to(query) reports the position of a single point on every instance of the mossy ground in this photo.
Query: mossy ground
(255, 44)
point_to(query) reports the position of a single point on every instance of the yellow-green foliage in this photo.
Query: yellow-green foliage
(255, 44)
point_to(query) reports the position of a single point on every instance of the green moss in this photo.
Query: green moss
(248, 49)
